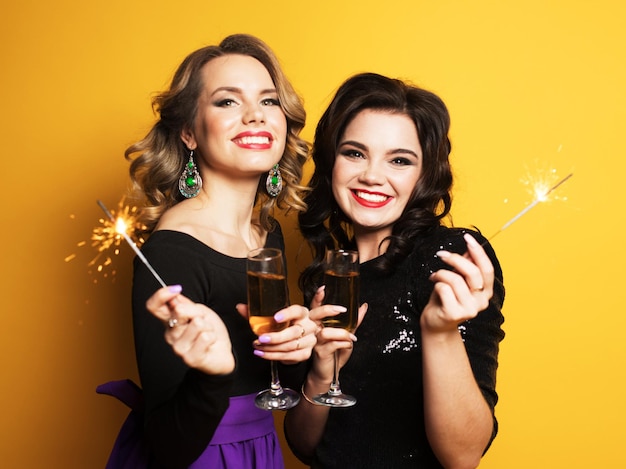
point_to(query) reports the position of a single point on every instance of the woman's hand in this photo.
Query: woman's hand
(459, 294)
(330, 339)
(195, 332)
(290, 345)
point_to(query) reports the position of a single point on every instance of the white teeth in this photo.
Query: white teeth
(371, 197)
(254, 140)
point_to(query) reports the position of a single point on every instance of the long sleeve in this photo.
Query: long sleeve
(183, 406)
(483, 334)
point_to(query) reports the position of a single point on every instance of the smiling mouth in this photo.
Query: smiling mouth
(253, 140)
(370, 197)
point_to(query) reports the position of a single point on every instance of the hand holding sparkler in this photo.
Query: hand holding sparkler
(203, 343)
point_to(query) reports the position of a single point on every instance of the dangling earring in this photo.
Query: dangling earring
(274, 182)
(190, 182)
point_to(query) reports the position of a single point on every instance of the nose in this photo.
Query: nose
(254, 113)
(372, 174)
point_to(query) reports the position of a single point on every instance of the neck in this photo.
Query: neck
(221, 216)
(369, 244)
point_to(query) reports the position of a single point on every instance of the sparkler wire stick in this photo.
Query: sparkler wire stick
(132, 244)
(538, 199)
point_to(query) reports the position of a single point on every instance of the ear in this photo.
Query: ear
(186, 135)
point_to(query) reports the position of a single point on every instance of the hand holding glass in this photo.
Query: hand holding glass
(268, 294)
(341, 277)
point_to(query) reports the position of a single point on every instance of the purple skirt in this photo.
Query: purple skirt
(245, 438)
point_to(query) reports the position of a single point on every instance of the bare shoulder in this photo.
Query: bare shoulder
(179, 218)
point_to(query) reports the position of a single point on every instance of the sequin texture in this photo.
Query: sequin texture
(405, 341)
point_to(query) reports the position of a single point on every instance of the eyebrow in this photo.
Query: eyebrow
(234, 89)
(395, 151)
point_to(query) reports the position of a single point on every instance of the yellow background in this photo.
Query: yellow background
(530, 85)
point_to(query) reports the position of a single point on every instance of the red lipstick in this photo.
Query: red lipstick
(254, 140)
(370, 199)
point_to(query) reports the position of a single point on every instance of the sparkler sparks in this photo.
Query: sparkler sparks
(121, 226)
(108, 235)
(541, 187)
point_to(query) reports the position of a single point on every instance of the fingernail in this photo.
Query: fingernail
(175, 288)
(443, 254)
(321, 289)
(339, 309)
(469, 239)
(353, 337)
(259, 353)
(265, 339)
(279, 317)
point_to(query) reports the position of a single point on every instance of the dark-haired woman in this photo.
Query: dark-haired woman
(424, 367)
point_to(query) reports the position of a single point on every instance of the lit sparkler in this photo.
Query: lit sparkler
(120, 227)
(106, 239)
(541, 191)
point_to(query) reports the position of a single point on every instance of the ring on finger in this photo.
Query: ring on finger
(298, 343)
(303, 330)
(481, 288)
(172, 323)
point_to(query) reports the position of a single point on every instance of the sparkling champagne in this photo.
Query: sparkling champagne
(267, 294)
(342, 290)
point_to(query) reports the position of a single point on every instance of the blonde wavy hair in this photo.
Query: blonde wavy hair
(158, 159)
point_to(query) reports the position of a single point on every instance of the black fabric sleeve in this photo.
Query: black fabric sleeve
(183, 406)
(483, 334)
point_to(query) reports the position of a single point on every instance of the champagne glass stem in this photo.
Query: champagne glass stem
(275, 385)
(334, 397)
(335, 390)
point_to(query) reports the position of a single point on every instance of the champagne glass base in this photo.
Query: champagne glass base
(268, 400)
(335, 400)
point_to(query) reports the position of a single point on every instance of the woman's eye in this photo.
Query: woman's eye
(225, 103)
(399, 161)
(270, 102)
(351, 153)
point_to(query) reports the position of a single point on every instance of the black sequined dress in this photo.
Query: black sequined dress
(385, 429)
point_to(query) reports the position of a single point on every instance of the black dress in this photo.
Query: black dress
(183, 406)
(385, 429)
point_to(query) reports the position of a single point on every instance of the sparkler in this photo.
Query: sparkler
(120, 229)
(541, 195)
(106, 239)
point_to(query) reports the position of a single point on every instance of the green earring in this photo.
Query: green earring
(274, 182)
(190, 182)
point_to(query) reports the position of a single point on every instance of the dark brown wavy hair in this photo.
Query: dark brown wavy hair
(158, 159)
(324, 225)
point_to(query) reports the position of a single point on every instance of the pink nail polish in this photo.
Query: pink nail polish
(469, 239)
(259, 353)
(175, 288)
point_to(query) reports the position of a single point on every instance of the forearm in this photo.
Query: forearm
(458, 420)
(305, 423)
(183, 406)
(180, 429)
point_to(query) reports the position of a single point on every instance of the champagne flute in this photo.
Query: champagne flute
(267, 294)
(341, 277)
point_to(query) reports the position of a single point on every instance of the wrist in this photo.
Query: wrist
(316, 384)
(441, 338)
(306, 396)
